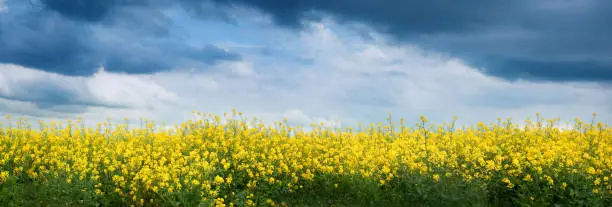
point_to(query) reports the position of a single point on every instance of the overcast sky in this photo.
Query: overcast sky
(306, 60)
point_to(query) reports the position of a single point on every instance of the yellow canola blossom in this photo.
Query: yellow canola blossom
(225, 162)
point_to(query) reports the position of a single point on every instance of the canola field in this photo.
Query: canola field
(241, 162)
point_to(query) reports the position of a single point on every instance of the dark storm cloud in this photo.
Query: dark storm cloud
(19, 109)
(521, 39)
(87, 10)
(534, 40)
(151, 59)
(45, 41)
(54, 94)
(77, 39)
(397, 16)
(538, 70)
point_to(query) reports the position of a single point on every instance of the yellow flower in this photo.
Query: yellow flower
(591, 170)
(3, 176)
(563, 185)
(218, 180)
(508, 183)
(528, 178)
(549, 180)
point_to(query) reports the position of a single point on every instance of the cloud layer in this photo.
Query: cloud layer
(336, 62)
(344, 79)
(539, 41)
(536, 41)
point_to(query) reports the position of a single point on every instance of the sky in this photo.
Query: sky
(338, 62)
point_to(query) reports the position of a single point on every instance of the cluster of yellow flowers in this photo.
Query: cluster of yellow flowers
(239, 161)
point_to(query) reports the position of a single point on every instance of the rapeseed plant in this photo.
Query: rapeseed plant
(239, 163)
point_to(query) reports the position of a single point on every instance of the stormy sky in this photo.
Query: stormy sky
(308, 60)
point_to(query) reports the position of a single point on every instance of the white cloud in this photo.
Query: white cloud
(132, 91)
(342, 77)
(298, 117)
(102, 95)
